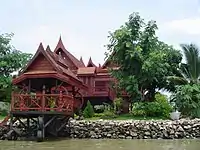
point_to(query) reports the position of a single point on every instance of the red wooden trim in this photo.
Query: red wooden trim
(55, 75)
(73, 59)
(25, 76)
(41, 50)
(72, 82)
(90, 63)
(103, 79)
(40, 102)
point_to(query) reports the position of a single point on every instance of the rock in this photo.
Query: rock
(147, 133)
(109, 135)
(186, 127)
(180, 129)
(121, 136)
(155, 129)
(133, 134)
(171, 132)
(128, 137)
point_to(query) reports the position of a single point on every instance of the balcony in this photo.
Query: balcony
(43, 103)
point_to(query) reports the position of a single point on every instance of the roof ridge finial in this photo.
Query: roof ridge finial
(81, 60)
(48, 48)
(90, 62)
(41, 47)
(60, 38)
(60, 44)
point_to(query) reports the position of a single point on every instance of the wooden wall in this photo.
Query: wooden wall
(40, 64)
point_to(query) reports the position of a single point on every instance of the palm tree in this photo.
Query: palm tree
(189, 71)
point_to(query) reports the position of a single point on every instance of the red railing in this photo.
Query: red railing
(42, 102)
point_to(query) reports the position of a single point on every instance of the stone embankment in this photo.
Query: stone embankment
(2, 132)
(159, 129)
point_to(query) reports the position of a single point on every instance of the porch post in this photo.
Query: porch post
(43, 98)
(29, 86)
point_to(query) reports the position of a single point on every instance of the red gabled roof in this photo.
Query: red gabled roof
(76, 62)
(81, 60)
(41, 50)
(57, 59)
(90, 63)
(61, 72)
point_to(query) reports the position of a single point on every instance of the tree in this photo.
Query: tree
(187, 94)
(88, 111)
(144, 61)
(11, 60)
(189, 72)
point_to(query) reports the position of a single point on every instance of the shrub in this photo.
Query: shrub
(118, 105)
(88, 111)
(165, 107)
(108, 115)
(4, 108)
(108, 112)
(99, 108)
(159, 108)
(187, 100)
(99, 115)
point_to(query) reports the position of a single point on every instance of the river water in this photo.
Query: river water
(71, 144)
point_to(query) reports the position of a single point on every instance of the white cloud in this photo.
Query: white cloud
(186, 26)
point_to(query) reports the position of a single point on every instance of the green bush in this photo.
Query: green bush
(108, 112)
(4, 108)
(108, 115)
(118, 105)
(159, 108)
(187, 100)
(99, 115)
(99, 108)
(88, 111)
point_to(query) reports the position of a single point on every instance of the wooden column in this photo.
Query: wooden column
(43, 97)
(73, 91)
(60, 101)
(29, 86)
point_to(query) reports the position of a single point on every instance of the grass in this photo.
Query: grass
(2, 117)
(128, 117)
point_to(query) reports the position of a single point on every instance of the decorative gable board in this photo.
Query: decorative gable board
(67, 60)
(40, 64)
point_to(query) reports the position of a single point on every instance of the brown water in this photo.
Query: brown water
(70, 144)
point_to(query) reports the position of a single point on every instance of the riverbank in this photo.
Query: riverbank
(132, 129)
(135, 129)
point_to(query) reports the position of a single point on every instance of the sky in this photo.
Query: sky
(84, 24)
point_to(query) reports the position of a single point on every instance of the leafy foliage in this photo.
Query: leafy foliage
(186, 96)
(189, 71)
(99, 108)
(118, 105)
(4, 107)
(144, 61)
(11, 60)
(187, 99)
(159, 108)
(88, 111)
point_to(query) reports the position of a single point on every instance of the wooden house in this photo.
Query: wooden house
(97, 79)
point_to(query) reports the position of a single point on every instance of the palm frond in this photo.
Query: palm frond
(177, 80)
(184, 71)
(191, 68)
